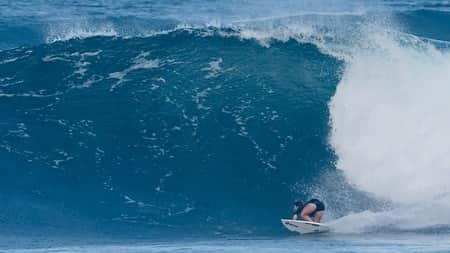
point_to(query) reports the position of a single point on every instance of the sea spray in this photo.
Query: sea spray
(390, 120)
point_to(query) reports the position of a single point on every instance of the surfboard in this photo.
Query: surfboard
(305, 227)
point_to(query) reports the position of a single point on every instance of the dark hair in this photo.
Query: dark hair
(298, 203)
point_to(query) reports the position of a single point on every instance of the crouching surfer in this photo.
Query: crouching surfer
(312, 210)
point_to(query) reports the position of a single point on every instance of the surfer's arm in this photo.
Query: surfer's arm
(307, 210)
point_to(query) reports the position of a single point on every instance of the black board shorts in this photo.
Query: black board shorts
(319, 205)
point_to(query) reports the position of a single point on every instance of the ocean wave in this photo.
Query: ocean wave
(199, 124)
(159, 120)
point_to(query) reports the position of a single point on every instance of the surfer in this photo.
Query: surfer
(312, 210)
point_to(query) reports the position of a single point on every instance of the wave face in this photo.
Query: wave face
(207, 116)
(168, 128)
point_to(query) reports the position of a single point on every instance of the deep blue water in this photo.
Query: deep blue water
(204, 118)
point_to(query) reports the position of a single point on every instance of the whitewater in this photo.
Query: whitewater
(162, 127)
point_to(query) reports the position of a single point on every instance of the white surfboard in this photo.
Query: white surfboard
(305, 227)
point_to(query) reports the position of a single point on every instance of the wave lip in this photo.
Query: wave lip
(65, 32)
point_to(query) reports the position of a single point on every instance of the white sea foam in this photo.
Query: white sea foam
(139, 62)
(426, 215)
(9, 60)
(29, 94)
(390, 118)
(214, 68)
(78, 30)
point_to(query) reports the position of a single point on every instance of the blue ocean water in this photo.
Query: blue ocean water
(160, 126)
(397, 243)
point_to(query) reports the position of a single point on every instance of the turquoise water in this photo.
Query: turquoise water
(317, 243)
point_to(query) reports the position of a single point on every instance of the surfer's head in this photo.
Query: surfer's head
(297, 204)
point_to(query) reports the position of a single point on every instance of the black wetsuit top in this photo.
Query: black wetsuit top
(320, 206)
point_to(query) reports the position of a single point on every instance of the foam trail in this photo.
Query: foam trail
(390, 118)
(404, 217)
